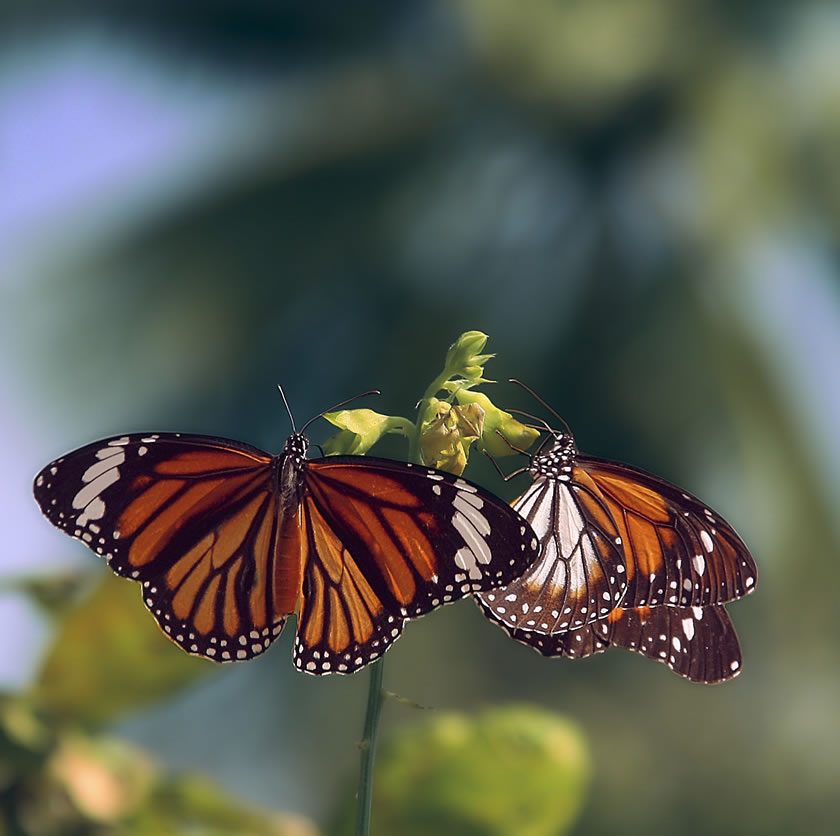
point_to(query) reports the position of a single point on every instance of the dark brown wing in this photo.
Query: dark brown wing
(387, 542)
(698, 643)
(195, 520)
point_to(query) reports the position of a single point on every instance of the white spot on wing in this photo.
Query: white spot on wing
(102, 466)
(465, 559)
(474, 499)
(94, 489)
(95, 511)
(477, 545)
(478, 519)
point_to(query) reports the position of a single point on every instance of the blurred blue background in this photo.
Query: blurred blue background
(637, 201)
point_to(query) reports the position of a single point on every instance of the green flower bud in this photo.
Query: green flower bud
(447, 432)
(464, 358)
(498, 421)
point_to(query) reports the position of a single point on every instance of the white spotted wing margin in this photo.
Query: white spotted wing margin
(388, 542)
(679, 551)
(227, 541)
(612, 535)
(697, 643)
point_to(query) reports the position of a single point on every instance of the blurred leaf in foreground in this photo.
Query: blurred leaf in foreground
(65, 781)
(109, 657)
(53, 594)
(513, 771)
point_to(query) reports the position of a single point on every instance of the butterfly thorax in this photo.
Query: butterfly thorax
(557, 462)
(292, 461)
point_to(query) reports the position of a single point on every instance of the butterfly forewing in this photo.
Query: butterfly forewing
(612, 535)
(698, 643)
(678, 552)
(227, 541)
(580, 575)
(193, 519)
(389, 542)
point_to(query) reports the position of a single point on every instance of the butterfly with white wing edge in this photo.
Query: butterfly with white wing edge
(227, 541)
(626, 559)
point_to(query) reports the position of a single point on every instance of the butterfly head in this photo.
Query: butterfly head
(555, 459)
(296, 448)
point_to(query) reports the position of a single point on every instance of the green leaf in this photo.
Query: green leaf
(360, 430)
(109, 656)
(512, 771)
(59, 779)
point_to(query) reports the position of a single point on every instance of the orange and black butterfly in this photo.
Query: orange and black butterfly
(626, 559)
(228, 541)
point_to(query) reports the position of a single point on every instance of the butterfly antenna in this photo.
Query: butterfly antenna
(510, 444)
(289, 411)
(339, 405)
(541, 424)
(500, 471)
(534, 395)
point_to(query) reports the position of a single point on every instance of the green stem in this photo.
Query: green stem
(368, 747)
(376, 694)
(432, 390)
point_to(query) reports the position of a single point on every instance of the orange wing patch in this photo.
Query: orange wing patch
(367, 525)
(377, 485)
(340, 619)
(414, 542)
(626, 493)
(155, 496)
(206, 462)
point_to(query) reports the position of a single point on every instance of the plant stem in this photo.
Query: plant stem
(376, 694)
(368, 747)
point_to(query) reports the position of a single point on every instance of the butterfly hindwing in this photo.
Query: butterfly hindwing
(698, 643)
(389, 542)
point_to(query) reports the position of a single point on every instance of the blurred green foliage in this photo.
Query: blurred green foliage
(109, 657)
(60, 781)
(513, 771)
(638, 202)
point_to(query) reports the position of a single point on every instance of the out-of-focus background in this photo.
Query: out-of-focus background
(637, 201)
